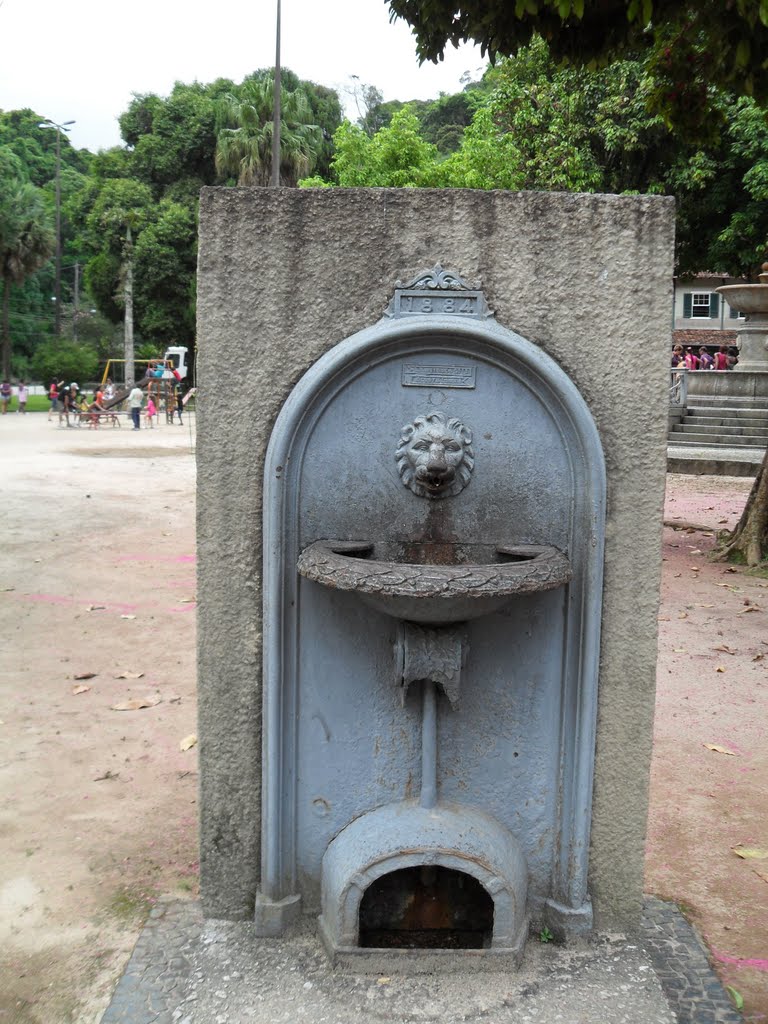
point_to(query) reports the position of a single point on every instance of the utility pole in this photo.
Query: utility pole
(276, 112)
(76, 301)
(48, 123)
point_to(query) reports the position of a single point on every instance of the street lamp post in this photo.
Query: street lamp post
(48, 123)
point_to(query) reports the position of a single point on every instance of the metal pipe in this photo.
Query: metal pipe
(276, 112)
(429, 744)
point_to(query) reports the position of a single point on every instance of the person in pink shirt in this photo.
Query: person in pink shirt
(691, 359)
(151, 412)
(721, 358)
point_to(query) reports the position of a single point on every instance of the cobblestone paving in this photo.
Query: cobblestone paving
(679, 959)
(159, 984)
(156, 981)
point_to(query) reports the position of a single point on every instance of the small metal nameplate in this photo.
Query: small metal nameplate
(438, 375)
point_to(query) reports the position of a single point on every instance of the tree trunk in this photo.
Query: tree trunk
(6, 360)
(128, 336)
(748, 542)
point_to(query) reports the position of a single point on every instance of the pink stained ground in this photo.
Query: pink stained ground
(98, 808)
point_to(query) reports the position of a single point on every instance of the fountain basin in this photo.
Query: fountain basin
(747, 298)
(436, 584)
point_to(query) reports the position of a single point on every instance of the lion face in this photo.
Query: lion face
(434, 456)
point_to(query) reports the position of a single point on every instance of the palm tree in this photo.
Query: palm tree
(244, 145)
(27, 241)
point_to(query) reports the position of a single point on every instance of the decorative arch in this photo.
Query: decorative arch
(566, 904)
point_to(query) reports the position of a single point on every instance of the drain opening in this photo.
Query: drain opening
(426, 908)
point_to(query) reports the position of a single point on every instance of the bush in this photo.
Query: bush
(65, 361)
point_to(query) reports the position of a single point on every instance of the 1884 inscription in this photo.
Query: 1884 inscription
(415, 302)
(440, 292)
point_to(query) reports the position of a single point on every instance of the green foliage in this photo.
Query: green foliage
(26, 241)
(396, 157)
(164, 269)
(66, 361)
(102, 277)
(172, 138)
(246, 128)
(687, 47)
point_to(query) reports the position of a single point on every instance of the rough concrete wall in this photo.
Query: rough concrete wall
(286, 274)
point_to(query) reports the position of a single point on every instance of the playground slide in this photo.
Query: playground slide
(120, 396)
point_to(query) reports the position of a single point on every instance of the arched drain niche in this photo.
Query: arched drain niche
(420, 882)
(426, 907)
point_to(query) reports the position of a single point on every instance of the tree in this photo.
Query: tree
(244, 146)
(396, 157)
(688, 45)
(26, 238)
(122, 210)
(165, 264)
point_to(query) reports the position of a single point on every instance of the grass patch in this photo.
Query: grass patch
(129, 905)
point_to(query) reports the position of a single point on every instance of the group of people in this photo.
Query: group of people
(73, 405)
(75, 408)
(175, 404)
(687, 359)
(6, 394)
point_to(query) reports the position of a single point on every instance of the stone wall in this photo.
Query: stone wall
(286, 274)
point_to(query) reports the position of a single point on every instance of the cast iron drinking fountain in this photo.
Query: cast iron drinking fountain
(431, 667)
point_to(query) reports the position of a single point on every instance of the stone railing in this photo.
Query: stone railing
(678, 386)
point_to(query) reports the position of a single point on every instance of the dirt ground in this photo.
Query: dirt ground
(98, 806)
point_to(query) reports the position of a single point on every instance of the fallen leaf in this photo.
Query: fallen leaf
(79, 689)
(683, 615)
(731, 569)
(758, 657)
(722, 520)
(130, 675)
(736, 996)
(6, 590)
(188, 741)
(107, 775)
(85, 675)
(696, 551)
(96, 608)
(705, 606)
(762, 874)
(749, 608)
(188, 600)
(383, 981)
(720, 750)
(746, 852)
(127, 616)
(680, 650)
(724, 648)
(136, 704)
(719, 669)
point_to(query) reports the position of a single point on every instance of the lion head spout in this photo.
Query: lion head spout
(434, 456)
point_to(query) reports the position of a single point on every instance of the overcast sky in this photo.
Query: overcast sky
(82, 60)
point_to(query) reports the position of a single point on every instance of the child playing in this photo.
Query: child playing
(23, 395)
(151, 412)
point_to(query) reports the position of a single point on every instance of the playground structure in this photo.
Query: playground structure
(162, 380)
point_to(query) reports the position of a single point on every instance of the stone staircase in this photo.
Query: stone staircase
(721, 423)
